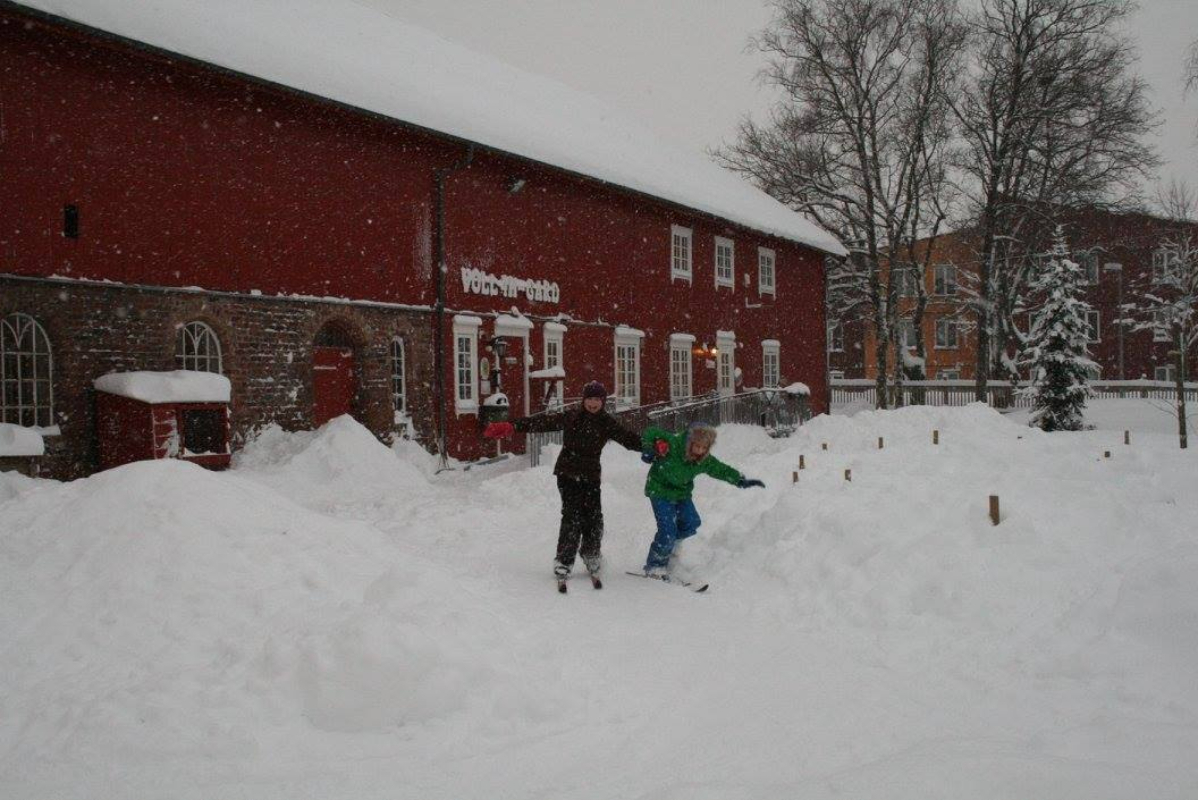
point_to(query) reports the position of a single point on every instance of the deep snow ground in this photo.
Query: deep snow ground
(330, 620)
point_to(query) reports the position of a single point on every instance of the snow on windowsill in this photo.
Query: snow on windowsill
(17, 441)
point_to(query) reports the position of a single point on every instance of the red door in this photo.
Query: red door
(333, 383)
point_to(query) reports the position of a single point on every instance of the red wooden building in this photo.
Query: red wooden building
(269, 195)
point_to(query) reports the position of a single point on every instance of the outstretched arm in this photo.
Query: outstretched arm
(540, 423)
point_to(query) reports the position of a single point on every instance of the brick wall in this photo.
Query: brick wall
(266, 347)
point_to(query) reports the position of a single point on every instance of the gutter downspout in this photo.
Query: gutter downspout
(439, 308)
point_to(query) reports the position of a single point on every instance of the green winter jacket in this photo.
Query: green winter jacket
(673, 477)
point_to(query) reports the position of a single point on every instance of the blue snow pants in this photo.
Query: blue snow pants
(676, 520)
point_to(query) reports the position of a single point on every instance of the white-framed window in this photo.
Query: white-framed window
(948, 375)
(836, 375)
(681, 366)
(835, 336)
(555, 356)
(945, 280)
(767, 279)
(1088, 261)
(1166, 264)
(465, 362)
(680, 253)
(946, 334)
(906, 333)
(725, 342)
(1160, 327)
(198, 348)
(1165, 373)
(725, 257)
(26, 372)
(399, 380)
(771, 363)
(907, 277)
(1094, 325)
(628, 366)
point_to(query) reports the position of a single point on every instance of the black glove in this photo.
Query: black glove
(745, 483)
(648, 456)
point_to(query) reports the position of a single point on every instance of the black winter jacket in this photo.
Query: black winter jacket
(584, 435)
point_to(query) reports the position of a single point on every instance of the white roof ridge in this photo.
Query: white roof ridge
(340, 50)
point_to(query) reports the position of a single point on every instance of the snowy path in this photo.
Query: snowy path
(327, 620)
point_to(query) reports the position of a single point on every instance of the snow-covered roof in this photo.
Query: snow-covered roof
(344, 51)
(16, 440)
(178, 386)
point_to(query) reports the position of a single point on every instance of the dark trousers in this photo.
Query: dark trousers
(582, 522)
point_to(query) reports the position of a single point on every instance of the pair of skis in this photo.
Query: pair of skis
(598, 583)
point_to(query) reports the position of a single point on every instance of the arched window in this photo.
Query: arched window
(26, 396)
(399, 383)
(198, 348)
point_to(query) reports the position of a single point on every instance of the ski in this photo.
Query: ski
(694, 587)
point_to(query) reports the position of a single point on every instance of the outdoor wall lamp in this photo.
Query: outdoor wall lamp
(515, 184)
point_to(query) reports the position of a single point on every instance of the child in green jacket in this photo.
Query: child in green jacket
(677, 459)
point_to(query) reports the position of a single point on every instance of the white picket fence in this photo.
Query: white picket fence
(1000, 394)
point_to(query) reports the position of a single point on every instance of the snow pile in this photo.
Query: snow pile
(340, 465)
(19, 441)
(299, 626)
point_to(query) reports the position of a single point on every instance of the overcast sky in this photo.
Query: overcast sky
(683, 68)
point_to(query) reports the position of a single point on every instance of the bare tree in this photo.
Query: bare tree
(860, 141)
(1052, 116)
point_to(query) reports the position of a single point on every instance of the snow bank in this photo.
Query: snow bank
(340, 465)
(300, 627)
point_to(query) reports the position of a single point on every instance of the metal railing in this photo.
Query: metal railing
(779, 412)
(999, 394)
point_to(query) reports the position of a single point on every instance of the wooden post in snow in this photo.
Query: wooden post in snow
(794, 477)
(1127, 437)
(848, 475)
(935, 437)
(802, 462)
(994, 509)
(880, 443)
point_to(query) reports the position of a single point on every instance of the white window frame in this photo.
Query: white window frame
(1095, 326)
(23, 337)
(1160, 327)
(836, 375)
(1088, 261)
(465, 363)
(554, 334)
(1170, 371)
(944, 280)
(682, 253)
(1166, 264)
(908, 281)
(767, 271)
(399, 378)
(725, 263)
(835, 334)
(725, 365)
(197, 348)
(682, 384)
(906, 333)
(771, 363)
(948, 374)
(626, 359)
(946, 325)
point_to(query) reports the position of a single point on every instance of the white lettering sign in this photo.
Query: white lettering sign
(478, 282)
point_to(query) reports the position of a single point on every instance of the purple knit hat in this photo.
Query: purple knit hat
(594, 389)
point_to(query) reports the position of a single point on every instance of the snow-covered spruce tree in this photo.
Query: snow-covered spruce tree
(1058, 344)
